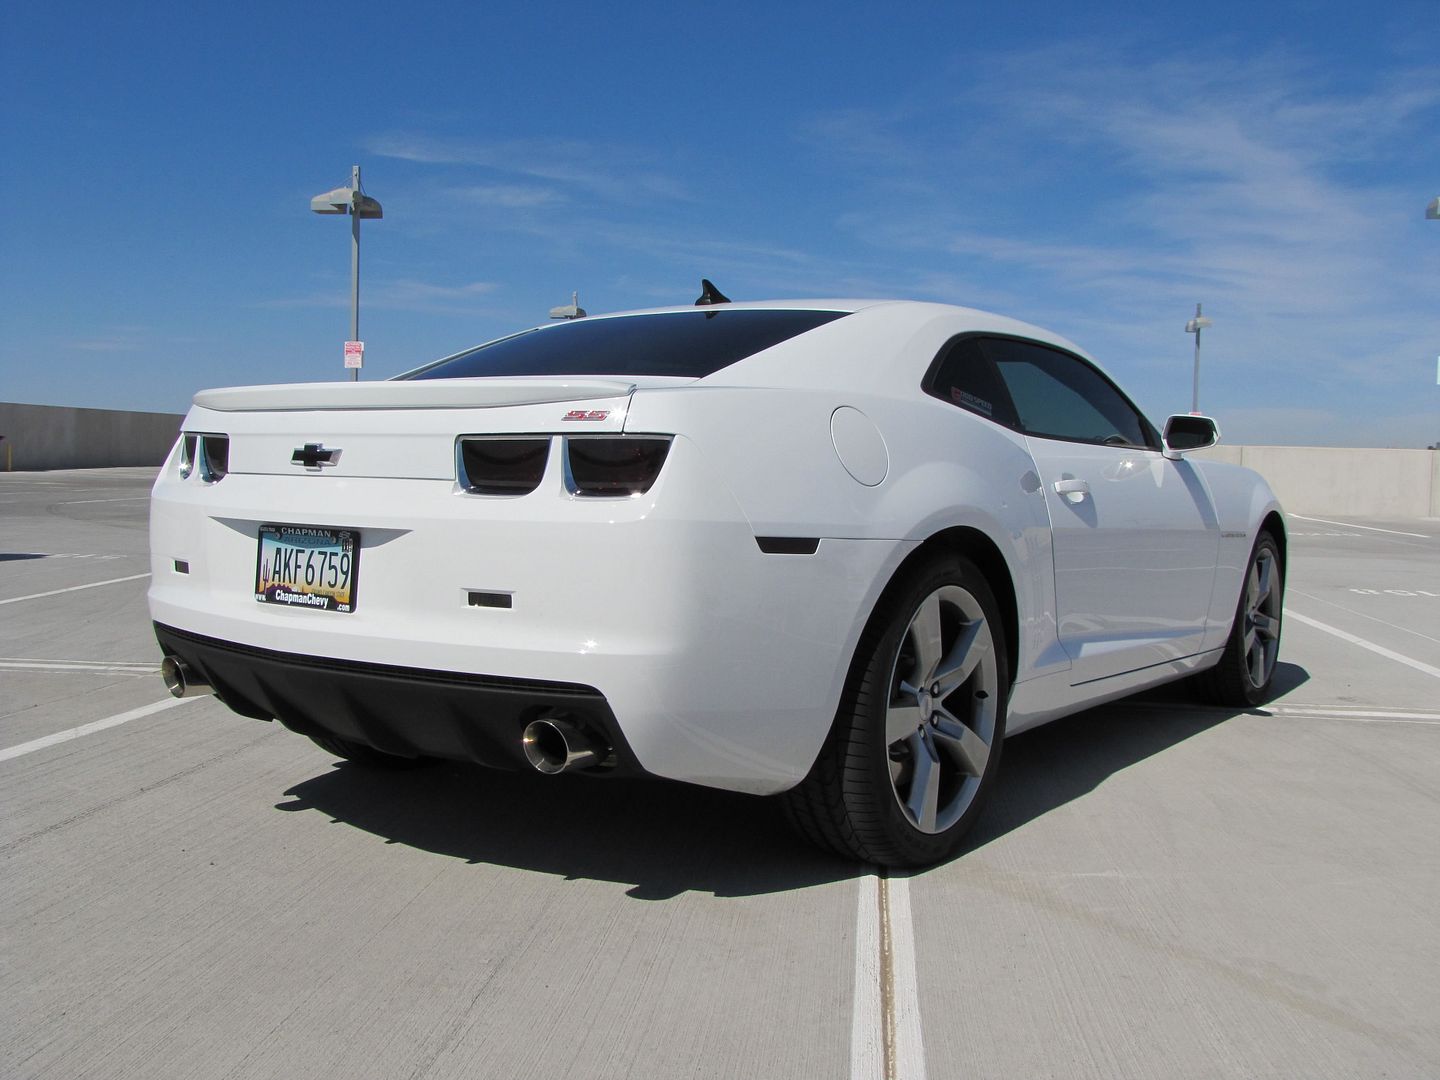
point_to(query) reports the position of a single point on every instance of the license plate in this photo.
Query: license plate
(306, 566)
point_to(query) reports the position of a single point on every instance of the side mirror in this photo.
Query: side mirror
(1186, 433)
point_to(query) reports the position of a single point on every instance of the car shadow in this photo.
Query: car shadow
(664, 839)
(660, 838)
(1049, 766)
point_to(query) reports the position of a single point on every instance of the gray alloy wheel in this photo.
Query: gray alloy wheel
(1246, 669)
(1260, 617)
(940, 722)
(917, 736)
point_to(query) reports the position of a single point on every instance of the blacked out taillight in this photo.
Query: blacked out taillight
(501, 466)
(214, 457)
(206, 453)
(615, 465)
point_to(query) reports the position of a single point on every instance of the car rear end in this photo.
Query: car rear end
(430, 566)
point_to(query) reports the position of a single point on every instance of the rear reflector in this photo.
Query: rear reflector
(614, 465)
(501, 466)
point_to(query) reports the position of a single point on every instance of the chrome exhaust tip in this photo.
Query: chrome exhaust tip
(553, 746)
(182, 680)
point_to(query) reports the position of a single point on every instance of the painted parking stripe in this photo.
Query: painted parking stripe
(885, 1037)
(1379, 650)
(89, 729)
(84, 667)
(73, 588)
(79, 502)
(867, 1024)
(1363, 716)
(1367, 528)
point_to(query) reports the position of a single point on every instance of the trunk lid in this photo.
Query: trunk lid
(399, 429)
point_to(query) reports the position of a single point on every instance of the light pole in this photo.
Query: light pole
(1194, 326)
(351, 200)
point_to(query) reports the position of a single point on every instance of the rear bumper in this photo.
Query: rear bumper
(408, 712)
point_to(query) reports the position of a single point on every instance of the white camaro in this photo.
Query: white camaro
(831, 549)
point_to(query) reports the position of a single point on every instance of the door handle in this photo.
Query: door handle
(1073, 490)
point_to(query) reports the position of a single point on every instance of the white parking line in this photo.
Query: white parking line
(1379, 650)
(79, 502)
(1290, 590)
(1367, 528)
(88, 667)
(1360, 715)
(885, 1037)
(92, 727)
(73, 588)
(867, 1022)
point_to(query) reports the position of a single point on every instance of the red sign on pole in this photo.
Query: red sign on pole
(354, 354)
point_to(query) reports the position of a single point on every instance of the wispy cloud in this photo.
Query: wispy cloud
(469, 298)
(1120, 193)
(113, 339)
(508, 196)
(603, 171)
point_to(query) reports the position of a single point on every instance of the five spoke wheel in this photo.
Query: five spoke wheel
(917, 736)
(1260, 617)
(940, 722)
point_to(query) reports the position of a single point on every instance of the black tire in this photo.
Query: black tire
(1246, 670)
(871, 795)
(364, 755)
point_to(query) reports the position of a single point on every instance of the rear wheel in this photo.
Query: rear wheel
(1246, 669)
(364, 755)
(917, 737)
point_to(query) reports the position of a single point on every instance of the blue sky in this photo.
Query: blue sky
(1096, 169)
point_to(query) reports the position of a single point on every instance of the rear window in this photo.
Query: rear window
(690, 344)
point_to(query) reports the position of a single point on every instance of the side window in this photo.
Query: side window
(964, 377)
(1058, 396)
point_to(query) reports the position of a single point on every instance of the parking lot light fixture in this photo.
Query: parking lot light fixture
(1194, 326)
(350, 200)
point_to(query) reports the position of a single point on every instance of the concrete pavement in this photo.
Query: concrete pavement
(1158, 888)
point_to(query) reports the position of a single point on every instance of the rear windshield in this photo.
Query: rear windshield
(690, 344)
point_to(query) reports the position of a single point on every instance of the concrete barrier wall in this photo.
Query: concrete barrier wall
(58, 437)
(1345, 482)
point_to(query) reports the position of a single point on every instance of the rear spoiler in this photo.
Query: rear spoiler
(410, 394)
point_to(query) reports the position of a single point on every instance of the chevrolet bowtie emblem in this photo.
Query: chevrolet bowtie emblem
(313, 455)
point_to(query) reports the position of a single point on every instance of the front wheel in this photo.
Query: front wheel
(1246, 670)
(917, 737)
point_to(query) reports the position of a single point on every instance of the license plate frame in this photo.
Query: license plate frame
(286, 554)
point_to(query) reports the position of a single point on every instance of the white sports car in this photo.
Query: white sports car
(831, 549)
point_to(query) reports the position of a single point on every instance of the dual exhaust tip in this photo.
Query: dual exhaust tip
(182, 680)
(554, 745)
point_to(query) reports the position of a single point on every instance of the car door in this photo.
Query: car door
(1135, 536)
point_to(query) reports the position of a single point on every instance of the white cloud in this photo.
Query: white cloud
(608, 172)
(1107, 196)
(508, 196)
